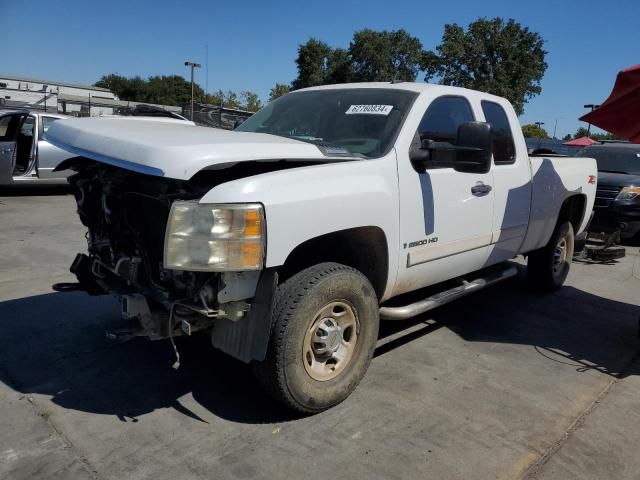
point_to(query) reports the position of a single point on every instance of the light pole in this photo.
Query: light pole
(539, 124)
(592, 106)
(44, 89)
(193, 66)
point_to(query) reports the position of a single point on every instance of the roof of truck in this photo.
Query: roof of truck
(417, 87)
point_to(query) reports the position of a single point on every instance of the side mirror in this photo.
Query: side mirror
(474, 147)
(419, 154)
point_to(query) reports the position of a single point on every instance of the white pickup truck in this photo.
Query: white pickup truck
(288, 239)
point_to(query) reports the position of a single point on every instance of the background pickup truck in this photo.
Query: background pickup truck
(288, 239)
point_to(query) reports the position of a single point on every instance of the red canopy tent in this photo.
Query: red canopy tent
(580, 142)
(620, 113)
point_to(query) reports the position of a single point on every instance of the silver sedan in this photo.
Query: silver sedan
(25, 156)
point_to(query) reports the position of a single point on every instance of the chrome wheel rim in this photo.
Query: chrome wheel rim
(330, 341)
(559, 256)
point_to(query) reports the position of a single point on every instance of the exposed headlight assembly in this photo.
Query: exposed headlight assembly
(214, 238)
(628, 193)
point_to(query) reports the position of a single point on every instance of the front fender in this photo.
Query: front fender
(307, 202)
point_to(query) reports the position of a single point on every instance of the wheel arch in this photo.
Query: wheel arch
(363, 248)
(573, 210)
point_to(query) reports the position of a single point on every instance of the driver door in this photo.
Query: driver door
(445, 215)
(8, 130)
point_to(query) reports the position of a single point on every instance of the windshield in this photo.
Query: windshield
(611, 159)
(361, 122)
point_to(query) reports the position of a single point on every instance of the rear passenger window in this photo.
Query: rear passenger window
(504, 150)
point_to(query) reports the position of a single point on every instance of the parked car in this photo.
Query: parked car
(617, 205)
(288, 239)
(25, 156)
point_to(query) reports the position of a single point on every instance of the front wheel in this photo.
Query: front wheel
(325, 329)
(548, 267)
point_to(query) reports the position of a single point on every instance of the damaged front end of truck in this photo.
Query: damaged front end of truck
(176, 265)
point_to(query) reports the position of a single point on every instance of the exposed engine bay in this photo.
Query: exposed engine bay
(126, 215)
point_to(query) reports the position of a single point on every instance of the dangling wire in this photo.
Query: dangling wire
(176, 364)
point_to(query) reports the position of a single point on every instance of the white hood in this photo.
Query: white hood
(171, 148)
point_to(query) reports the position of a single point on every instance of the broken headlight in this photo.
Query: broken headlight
(214, 238)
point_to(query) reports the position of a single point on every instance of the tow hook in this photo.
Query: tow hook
(67, 287)
(124, 334)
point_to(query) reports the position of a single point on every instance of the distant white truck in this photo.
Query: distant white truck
(289, 239)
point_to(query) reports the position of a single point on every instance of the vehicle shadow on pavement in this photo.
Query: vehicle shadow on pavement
(35, 190)
(569, 326)
(55, 345)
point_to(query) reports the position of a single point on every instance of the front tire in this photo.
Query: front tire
(548, 267)
(325, 329)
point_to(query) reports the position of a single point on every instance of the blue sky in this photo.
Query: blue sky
(252, 44)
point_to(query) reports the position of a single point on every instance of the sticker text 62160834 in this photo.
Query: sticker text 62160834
(369, 110)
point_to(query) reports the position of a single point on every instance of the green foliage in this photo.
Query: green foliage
(532, 130)
(581, 132)
(312, 61)
(278, 90)
(163, 90)
(215, 98)
(372, 56)
(250, 101)
(566, 138)
(492, 55)
(384, 56)
(174, 90)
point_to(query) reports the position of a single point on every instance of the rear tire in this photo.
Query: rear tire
(548, 267)
(325, 328)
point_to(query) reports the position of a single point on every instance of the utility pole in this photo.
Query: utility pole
(44, 89)
(555, 127)
(206, 82)
(193, 66)
(592, 106)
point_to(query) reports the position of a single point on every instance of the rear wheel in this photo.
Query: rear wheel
(324, 334)
(548, 267)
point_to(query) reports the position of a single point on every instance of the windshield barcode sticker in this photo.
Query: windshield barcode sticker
(369, 109)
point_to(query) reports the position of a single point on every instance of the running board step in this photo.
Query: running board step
(408, 311)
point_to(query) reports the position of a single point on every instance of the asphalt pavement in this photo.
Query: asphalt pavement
(504, 384)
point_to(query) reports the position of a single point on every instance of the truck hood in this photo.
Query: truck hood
(172, 148)
(618, 179)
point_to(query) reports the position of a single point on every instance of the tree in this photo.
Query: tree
(133, 89)
(566, 138)
(385, 56)
(581, 132)
(312, 60)
(164, 89)
(250, 101)
(171, 90)
(215, 98)
(231, 100)
(532, 130)
(278, 90)
(604, 136)
(492, 55)
(339, 69)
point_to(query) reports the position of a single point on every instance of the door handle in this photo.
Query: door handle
(480, 190)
